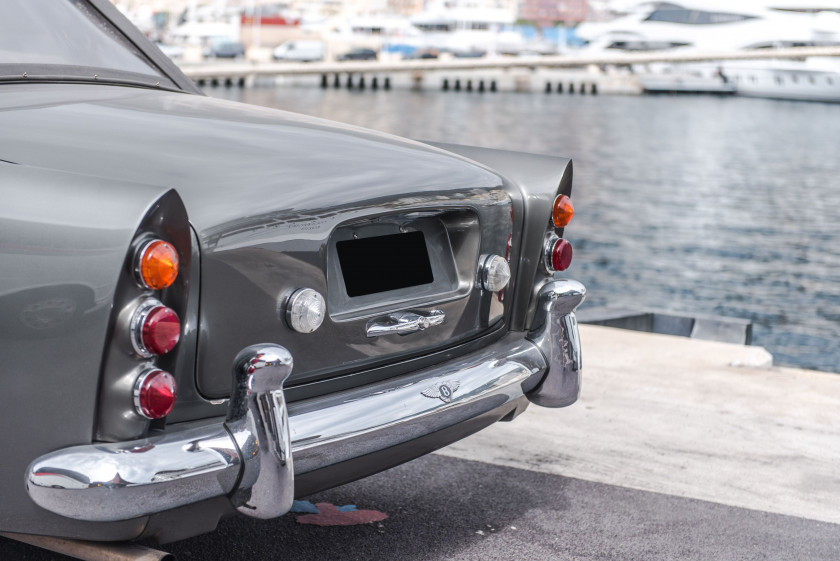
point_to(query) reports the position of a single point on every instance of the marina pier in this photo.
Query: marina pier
(561, 73)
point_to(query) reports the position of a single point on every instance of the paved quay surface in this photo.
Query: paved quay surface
(699, 419)
(677, 449)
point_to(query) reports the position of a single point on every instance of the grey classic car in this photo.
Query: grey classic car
(210, 308)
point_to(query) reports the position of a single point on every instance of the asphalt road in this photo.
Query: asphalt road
(447, 508)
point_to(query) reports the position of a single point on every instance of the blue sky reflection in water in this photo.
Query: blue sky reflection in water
(697, 205)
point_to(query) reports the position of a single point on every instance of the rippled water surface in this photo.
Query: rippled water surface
(696, 205)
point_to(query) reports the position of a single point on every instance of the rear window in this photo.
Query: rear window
(65, 33)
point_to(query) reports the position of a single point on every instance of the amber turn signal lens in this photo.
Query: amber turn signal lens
(158, 265)
(563, 211)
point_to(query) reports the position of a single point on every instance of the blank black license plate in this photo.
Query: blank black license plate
(382, 263)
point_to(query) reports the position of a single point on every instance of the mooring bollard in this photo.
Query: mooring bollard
(445, 86)
(594, 90)
(374, 83)
(548, 87)
(469, 85)
(571, 88)
(362, 82)
(457, 84)
(336, 81)
(492, 85)
(559, 87)
(387, 83)
(481, 86)
(324, 81)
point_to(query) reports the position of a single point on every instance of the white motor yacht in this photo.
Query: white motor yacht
(714, 26)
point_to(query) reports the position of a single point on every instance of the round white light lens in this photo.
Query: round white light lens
(495, 273)
(306, 310)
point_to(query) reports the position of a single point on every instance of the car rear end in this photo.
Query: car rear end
(296, 349)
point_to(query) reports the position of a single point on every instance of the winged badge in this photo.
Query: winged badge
(442, 390)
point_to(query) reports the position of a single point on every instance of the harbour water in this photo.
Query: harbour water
(696, 205)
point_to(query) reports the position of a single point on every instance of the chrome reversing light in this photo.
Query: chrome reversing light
(493, 272)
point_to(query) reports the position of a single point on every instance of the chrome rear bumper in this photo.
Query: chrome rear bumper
(253, 456)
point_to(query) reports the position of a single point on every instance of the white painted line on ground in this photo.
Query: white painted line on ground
(677, 416)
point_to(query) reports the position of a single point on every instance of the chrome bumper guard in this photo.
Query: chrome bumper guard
(253, 455)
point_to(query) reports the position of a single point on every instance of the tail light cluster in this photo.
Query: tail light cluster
(557, 251)
(150, 346)
(155, 328)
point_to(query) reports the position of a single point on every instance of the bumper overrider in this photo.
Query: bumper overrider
(252, 456)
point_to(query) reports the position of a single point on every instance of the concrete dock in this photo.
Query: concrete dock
(697, 419)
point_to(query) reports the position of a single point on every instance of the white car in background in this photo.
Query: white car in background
(304, 50)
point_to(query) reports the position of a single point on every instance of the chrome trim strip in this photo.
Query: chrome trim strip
(136, 325)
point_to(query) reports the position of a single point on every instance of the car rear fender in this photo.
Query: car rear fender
(63, 241)
(534, 181)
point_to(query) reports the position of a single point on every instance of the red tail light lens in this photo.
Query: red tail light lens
(154, 394)
(561, 255)
(157, 265)
(161, 330)
(558, 254)
(563, 211)
(155, 329)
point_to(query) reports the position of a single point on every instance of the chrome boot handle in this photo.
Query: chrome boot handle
(403, 323)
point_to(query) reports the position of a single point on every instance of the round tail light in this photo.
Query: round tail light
(558, 254)
(562, 212)
(154, 394)
(157, 264)
(155, 329)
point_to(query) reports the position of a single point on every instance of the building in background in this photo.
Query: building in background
(405, 7)
(546, 13)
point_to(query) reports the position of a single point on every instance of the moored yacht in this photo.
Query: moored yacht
(714, 26)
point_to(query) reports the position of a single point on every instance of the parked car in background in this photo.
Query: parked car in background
(358, 54)
(210, 308)
(224, 48)
(419, 54)
(302, 50)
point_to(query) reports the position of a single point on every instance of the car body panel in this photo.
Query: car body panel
(270, 189)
